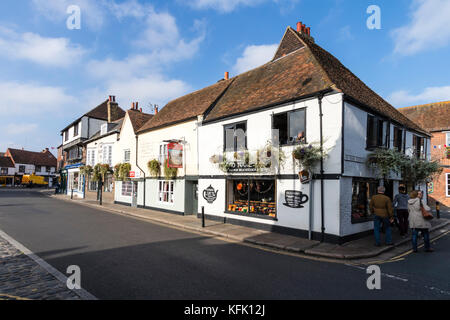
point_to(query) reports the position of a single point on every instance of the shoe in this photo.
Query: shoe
(429, 250)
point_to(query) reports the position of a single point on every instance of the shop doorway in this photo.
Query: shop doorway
(389, 185)
(191, 198)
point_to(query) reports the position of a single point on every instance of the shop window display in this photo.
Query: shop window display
(252, 197)
(362, 191)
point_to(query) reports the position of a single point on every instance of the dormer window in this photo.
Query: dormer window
(104, 129)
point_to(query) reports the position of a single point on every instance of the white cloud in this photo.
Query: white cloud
(54, 52)
(20, 128)
(405, 98)
(429, 28)
(27, 99)
(93, 14)
(254, 56)
(226, 6)
(139, 76)
(153, 89)
(223, 5)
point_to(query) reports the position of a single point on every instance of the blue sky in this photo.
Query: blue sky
(154, 51)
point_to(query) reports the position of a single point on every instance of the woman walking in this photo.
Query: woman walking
(416, 221)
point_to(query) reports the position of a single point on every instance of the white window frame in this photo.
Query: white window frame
(125, 160)
(90, 157)
(163, 151)
(107, 154)
(166, 194)
(103, 129)
(127, 186)
(448, 139)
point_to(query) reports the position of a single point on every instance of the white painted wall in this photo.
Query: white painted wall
(149, 143)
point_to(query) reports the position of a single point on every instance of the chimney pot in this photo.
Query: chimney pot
(156, 110)
(140, 110)
(308, 31)
(227, 75)
(299, 26)
(137, 104)
(132, 106)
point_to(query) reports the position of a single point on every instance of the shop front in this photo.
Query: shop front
(75, 181)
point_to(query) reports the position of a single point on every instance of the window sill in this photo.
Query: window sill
(252, 215)
(362, 220)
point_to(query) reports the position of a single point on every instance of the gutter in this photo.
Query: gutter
(322, 209)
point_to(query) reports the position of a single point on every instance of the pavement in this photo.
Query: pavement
(22, 278)
(357, 250)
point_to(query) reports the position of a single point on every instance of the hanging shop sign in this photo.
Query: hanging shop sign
(305, 176)
(175, 155)
(295, 199)
(210, 195)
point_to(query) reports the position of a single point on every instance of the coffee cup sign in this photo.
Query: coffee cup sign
(295, 199)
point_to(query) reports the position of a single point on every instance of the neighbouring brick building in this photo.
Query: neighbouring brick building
(435, 117)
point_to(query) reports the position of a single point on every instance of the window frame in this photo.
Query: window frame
(400, 134)
(227, 126)
(170, 192)
(382, 138)
(447, 184)
(76, 130)
(4, 171)
(447, 140)
(109, 153)
(288, 113)
(125, 151)
(124, 186)
(418, 153)
(24, 168)
(249, 214)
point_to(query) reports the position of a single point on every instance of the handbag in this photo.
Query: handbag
(425, 213)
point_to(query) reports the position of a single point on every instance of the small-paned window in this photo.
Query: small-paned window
(291, 127)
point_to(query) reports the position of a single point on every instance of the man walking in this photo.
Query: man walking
(401, 204)
(381, 206)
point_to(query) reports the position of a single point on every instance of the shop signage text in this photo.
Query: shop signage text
(241, 167)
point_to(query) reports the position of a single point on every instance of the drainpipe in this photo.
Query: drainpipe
(322, 212)
(137, 165)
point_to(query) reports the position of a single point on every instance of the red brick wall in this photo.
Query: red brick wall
(440, 192)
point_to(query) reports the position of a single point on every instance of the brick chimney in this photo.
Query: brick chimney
(113, 109)
(305, 31)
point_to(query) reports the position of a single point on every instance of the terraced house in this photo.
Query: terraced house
(72, 153)
(435, 117)
(304, 95)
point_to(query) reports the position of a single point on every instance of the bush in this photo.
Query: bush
(169, 173)
(154, 167)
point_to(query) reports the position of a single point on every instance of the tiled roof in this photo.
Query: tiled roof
(36, 158)
(432, 116)
(138, 118)
(187, 107)
(6, 162)
(300, 68)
